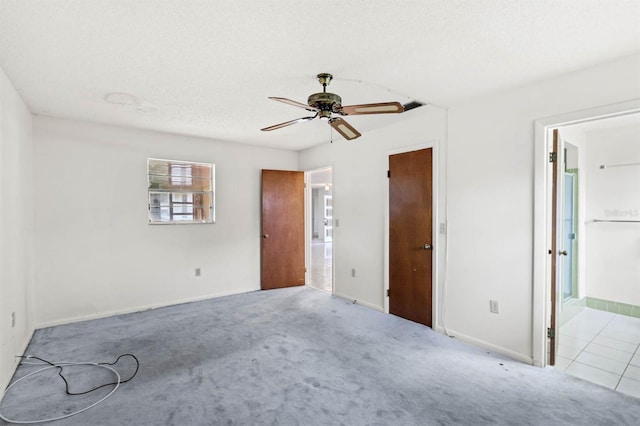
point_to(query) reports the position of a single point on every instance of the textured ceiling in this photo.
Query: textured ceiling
(206, 68)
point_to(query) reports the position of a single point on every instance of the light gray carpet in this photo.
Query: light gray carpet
(299, 357)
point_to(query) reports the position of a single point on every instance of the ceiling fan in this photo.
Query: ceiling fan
(324, 104)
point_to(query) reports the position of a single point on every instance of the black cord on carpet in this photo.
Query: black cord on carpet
(101, 363)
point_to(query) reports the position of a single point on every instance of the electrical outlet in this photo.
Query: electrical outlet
(198, 272)
(336, 222)
(494, 306)
(13, 319)
(353, 272)
(443, 228)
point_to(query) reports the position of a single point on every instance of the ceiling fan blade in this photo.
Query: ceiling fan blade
(294, 103)
(344, 128)
(379, 108)
(288, 123)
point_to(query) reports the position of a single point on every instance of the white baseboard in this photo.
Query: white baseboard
(486, 345)
(462, 337)
(359, 302)
(468, 339)
(106, 314)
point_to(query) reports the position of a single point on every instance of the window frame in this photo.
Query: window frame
(181, 189)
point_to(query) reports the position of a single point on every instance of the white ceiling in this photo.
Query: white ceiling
(206, 68)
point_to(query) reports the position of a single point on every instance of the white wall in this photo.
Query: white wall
(359, 191)
(96, 254)
(16, 227)
(613, 249)
(491, 192)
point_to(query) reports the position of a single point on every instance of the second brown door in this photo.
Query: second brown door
(410, 235)
(282, 253)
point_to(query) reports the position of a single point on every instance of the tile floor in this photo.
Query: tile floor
(321, 265)
(602, 347)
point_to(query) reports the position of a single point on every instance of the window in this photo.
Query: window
(180, 191)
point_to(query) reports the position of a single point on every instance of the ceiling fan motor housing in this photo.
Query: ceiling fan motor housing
(326, 103)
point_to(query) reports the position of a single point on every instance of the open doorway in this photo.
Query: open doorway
(599, 321)
(319, 228)
(593, 231)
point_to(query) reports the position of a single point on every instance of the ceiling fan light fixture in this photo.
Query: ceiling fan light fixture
(324, 115)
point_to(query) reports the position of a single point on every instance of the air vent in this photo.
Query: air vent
(412, 105)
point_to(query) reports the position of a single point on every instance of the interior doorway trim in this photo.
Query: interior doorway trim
(438, 240)
(541, 222)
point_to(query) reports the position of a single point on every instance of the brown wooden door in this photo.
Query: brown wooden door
(282, 248)
(410, 235)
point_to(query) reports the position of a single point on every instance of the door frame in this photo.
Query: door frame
(541, 219)
(437, 240)
(308, 225)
